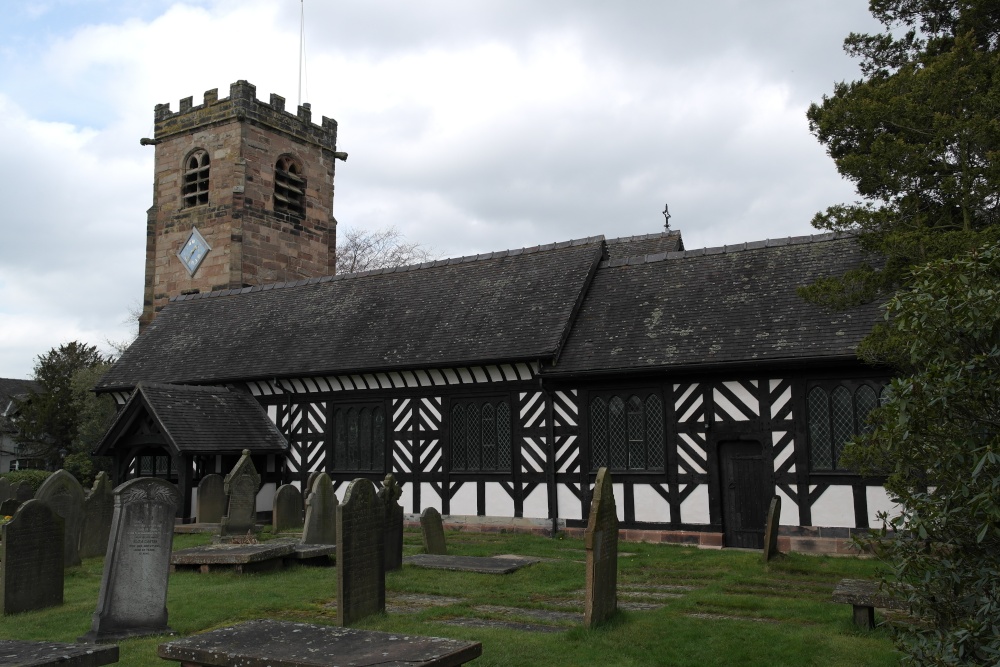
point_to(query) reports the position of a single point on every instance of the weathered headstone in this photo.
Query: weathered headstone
(4, 489)
(65, 496)
(31, 559)
(432, 530)
(601, 542)
(321, 513)
(133, 597)
(98, 509)
(287, 512)
(389, 495)
(24, 492)
(9, 506)
(360, 558)
(211, 499)
(309, 483)
(242, 485)
(771, 531)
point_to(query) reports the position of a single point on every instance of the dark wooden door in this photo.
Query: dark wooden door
(746, 490)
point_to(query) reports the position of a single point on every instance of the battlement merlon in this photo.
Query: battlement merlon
(242, 104)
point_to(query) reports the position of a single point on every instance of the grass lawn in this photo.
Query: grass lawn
(683, 606)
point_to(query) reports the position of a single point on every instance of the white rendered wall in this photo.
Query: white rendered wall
(569, 504)
(878, 501)
(464, 500)
(536, 505)
(498, 501)
(649, 505)
(694, 509)
(835, 508)
(265, 497)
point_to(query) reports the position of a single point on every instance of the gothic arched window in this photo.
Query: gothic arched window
(289, 187)
(195, 188)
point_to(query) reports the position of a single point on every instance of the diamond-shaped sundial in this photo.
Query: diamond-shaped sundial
(193, 251)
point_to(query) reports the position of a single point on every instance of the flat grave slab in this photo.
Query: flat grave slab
(235, 557)
(478, 564)
(535, 614)
(411, 603)
(312, 554)
(16, 653)
(502, 625)
(287, 644)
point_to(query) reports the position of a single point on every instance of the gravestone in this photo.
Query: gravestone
(393, 542)
(287, 513)
(601, 542)
(24, 492)
(321, 513)
(242, 485)
(771, 531)
(312, 478)
(9, 506)
(360, 557)
(98, 509)
(133, 597)
(31, 559)
(4, 489)
(65, 496)
(432, 530)
(211, 499)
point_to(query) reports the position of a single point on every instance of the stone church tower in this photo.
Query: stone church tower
(242, 196)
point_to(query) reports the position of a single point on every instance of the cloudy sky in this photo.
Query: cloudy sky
(471, 126)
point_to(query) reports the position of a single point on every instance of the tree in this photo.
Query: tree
(361, 250)
(48, 421)
(937, 442)
(919, 137)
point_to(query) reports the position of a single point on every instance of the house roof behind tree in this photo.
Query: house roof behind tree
(10, 389)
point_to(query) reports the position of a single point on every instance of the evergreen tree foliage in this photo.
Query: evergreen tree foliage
(919, 136)
(937, 442)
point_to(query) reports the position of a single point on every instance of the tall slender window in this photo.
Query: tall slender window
(195, 188)
(481, 435)
(359, 437)
(837, 412)
(289, 187)
(626, 432)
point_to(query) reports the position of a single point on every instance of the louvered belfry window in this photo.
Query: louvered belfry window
(481, 435)
(837, 412)
(289, 187)
(195, 192)
(626, 431)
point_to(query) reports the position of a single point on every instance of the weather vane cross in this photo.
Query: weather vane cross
(666, 215)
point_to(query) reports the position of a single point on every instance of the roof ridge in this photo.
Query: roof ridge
(727, 249)
(393, 269)
(644, 237)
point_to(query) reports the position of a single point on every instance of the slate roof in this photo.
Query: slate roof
(199, 419)
(9, 389)
(503, 306)
(646, 244)
(715, 306)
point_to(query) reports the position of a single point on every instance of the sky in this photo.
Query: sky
(471, 127)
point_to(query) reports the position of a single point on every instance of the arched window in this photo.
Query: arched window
(481, 435)
(837, 412)
(195, 189)
(359, 437)
(626, 433)
(289, 187)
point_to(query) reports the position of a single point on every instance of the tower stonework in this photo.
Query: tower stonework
(242, 196)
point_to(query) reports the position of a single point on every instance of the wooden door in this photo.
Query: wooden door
(746, 490)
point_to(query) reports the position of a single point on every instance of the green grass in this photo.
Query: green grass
(783, 611)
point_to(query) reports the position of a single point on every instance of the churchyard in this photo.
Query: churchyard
(677, 605)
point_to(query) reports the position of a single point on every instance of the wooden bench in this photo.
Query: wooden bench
(864, 596)
(287, 644)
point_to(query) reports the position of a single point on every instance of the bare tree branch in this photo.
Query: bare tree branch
(366, 250)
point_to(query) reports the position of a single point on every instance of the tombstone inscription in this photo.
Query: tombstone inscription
(98, 509)
(31, 559)
(321, 512)
(241, 486)
(432, 531)
(287, 512)
(601, 542)
(133, 597)
(360, 558)
(393, 542)
(211, 499)
(64, 495)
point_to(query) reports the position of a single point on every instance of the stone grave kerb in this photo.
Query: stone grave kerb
(241, 487)
(98, 510)
(320, 526)
(389, 494)
(432, 532)
(601, 543)
(31, 559)
(65, 496)
(360, 553)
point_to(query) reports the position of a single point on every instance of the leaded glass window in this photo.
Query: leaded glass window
(481, 435)
(837, 412)
(626, 432)
(359, 437)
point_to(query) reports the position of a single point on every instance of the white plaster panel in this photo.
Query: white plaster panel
(265, 497)
(430, 498)
(879, 501)
(694, 509)
(406, 498)
(194, 503)
(498, 501)
(619, 491)
(569, 504)
(835, 508)
(536, 504)
(650, 505)
(789, 510)
(464, 500)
